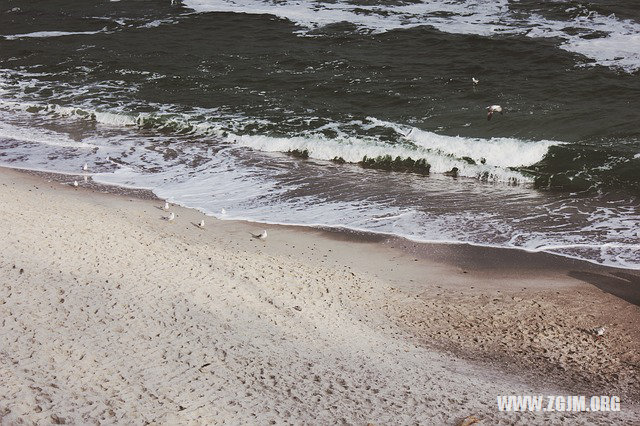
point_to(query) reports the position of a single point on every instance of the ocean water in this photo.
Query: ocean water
(267, 109)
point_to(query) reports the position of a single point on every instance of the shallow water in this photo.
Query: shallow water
(201, 100)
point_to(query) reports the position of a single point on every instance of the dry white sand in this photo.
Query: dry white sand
(109, 314)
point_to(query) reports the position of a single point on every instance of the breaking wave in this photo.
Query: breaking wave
(491, 159)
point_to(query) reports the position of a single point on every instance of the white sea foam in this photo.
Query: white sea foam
(493, 157)
(114, 119)
(479, 17)
(157, 23)
(620, 47)
(248, 193)
(107, 118)
(499, 152)
(247, 186)
(47, 34)
(40, 136)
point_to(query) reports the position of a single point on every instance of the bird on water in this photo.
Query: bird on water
(492, 109)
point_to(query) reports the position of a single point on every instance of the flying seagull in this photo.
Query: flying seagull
(493, 108)
(260, 236)
(171, 216)
(166, 206)
(475, 81)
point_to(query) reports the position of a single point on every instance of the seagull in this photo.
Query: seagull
(166, 206)
(85, 167)
(223, 212)
(171, 216)
(475, 80)
(493, 108)
(75, 183)
(260, 236)
(599, 332)
(201, 225)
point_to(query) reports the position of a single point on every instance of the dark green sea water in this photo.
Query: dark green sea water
(201, 100)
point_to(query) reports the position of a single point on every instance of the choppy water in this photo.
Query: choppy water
(201, 100)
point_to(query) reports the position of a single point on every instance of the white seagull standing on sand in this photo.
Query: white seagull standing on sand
(201, 225)
(223, 212)
(491, 109)
(75, 183)
(171, 216)
(166, 206)
(261, 236)
(475, 81)
(85, 167)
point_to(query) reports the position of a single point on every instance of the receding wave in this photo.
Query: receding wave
(40, 136)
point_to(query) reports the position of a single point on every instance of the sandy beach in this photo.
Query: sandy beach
(110, 314)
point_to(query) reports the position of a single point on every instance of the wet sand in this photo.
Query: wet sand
(112, 314)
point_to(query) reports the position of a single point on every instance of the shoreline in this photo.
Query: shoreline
(431, 302)
(469, 251)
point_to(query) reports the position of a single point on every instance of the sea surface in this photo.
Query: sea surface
(284, 111)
